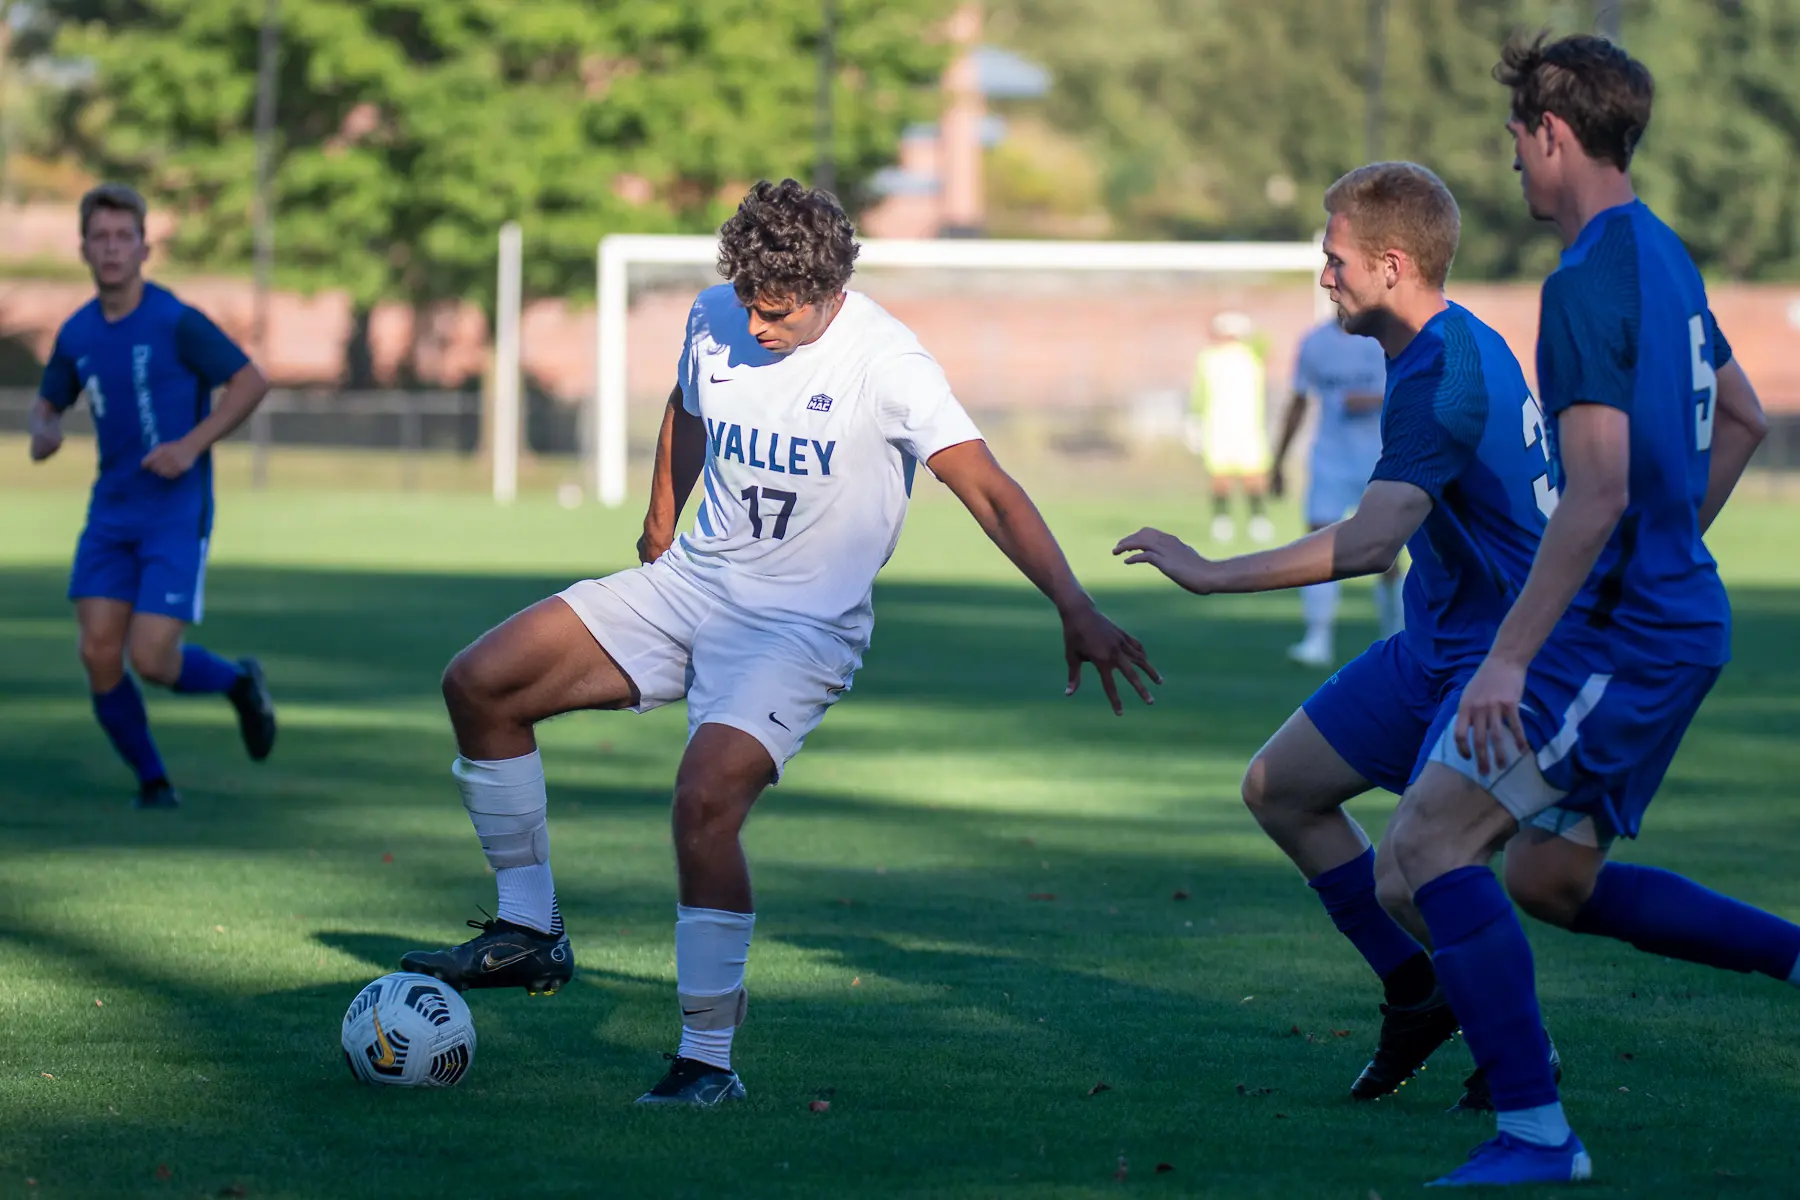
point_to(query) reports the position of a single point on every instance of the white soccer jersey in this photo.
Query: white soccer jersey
(809, 458)
(1331, 365)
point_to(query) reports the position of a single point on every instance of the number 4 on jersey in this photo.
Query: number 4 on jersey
(756, 495)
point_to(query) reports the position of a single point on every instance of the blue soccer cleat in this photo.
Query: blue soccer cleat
(1506, 1160)
(695, 1084)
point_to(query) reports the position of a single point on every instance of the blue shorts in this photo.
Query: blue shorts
(158, 570)
(1604, 735)
(1381, 712)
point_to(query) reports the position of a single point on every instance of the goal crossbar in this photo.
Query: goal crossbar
(619, 252)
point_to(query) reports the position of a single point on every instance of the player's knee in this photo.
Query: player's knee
(155, 662)
(1548, 896)
(101, 656)
(468, 684)
(1391, 888)
(706, 808)
(1267, 800)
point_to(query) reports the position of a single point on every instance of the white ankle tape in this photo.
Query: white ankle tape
(507, 805)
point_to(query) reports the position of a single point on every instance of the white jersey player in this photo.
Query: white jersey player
(1347, 373)
(802, 411)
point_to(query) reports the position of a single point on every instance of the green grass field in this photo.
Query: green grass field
(978, 901)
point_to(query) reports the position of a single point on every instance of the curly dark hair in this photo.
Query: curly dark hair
(787, 240)
(1601, 92)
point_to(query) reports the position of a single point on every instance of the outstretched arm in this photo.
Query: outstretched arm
(1738, 429)
(1007, 515)
(1366, 543)
(680, 455)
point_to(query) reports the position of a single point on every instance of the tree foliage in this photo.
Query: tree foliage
(1228, 118)
(409, 130)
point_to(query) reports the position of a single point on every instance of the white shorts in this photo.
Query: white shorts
(772, 680)
(1331, 496)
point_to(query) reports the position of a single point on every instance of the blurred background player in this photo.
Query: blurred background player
(1348, 373)
(1228, 402)
(148, 365)
(803, 410)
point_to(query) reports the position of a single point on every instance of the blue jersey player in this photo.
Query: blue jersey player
(147, 365)
(1563, 734)
(1462, 481)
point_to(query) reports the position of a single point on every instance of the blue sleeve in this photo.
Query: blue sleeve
(61, 385)
(1721, 347)
(1431, 429)
(1587, 341)
(204, 349)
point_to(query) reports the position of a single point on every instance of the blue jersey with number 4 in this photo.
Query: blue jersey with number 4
(148, 378)
(1625, 323)
(1460, 424)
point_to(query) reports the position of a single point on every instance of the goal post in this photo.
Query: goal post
(618, 253)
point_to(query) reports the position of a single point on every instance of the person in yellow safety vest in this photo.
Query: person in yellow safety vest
(1227, 409)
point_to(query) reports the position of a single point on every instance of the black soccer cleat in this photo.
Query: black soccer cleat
(1476, 1095)
(695, 1084)
(1408, 1038)
(158, 793)
(502, 955)
(255, 709)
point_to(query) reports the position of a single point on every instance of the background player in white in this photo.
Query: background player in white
(803, 409)
(1348, 373)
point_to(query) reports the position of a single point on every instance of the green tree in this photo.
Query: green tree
(409, 130)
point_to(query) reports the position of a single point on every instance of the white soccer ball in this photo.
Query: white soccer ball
(410, 1030)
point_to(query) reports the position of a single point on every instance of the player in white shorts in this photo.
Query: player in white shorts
(802, 411)
(1348, 374)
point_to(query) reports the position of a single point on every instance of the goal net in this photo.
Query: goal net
(1100, 335)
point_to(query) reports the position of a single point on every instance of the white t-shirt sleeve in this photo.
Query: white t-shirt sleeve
(687, 371)
(917, 411)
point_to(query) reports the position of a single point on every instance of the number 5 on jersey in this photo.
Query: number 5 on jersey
(755, 496)
(1706, 381)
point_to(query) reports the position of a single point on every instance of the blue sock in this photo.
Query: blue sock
(121, 713)
(1484, 966)
(204, 671)
(1348, 893)
(1665, 913)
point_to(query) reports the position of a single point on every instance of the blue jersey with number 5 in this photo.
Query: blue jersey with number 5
(1625, 323)
(1460, 424)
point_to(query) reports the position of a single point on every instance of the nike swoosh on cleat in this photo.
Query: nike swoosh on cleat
(489, 963)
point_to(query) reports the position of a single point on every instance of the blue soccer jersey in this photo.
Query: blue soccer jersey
(1625, 323)
(1460, 424)
(148, 379)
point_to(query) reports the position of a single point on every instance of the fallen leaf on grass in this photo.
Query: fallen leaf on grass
(1294, 1031)
(1041, 896)
(856, 981)
(820, 1106)
(163, 1172)
(1340, 1033)
(1624, 1089)
(1102, 1086)
(97, 1003)
(1164, 1168)
(1180, 894)
(387, 858)
(218, 929)
(1246, 999)
(46, 1075)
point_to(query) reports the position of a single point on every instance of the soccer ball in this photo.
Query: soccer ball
(410, 1030)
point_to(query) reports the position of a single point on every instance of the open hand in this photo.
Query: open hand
(1170, 555)
(1487, 717)
(171, 460)
(1090, 637)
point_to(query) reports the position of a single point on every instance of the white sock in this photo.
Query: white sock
(712, 947)
(1542, 1126)
(1390, 611)
(1319, 602)
(508, 806)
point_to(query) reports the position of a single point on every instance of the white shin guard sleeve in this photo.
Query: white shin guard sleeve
(711, 949)
(507, 805)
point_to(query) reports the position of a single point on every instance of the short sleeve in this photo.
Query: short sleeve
(686, 371)
(1587, 343)
(1721, 348)
(1303, 372)
(204, 349)
(61, 384)
(916, 409)
(1431, 429)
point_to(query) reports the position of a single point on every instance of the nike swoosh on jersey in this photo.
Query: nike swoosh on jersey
(715, 379)
(490, 963)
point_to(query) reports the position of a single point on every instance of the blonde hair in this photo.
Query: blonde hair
(119, 198)
(1400, 206)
